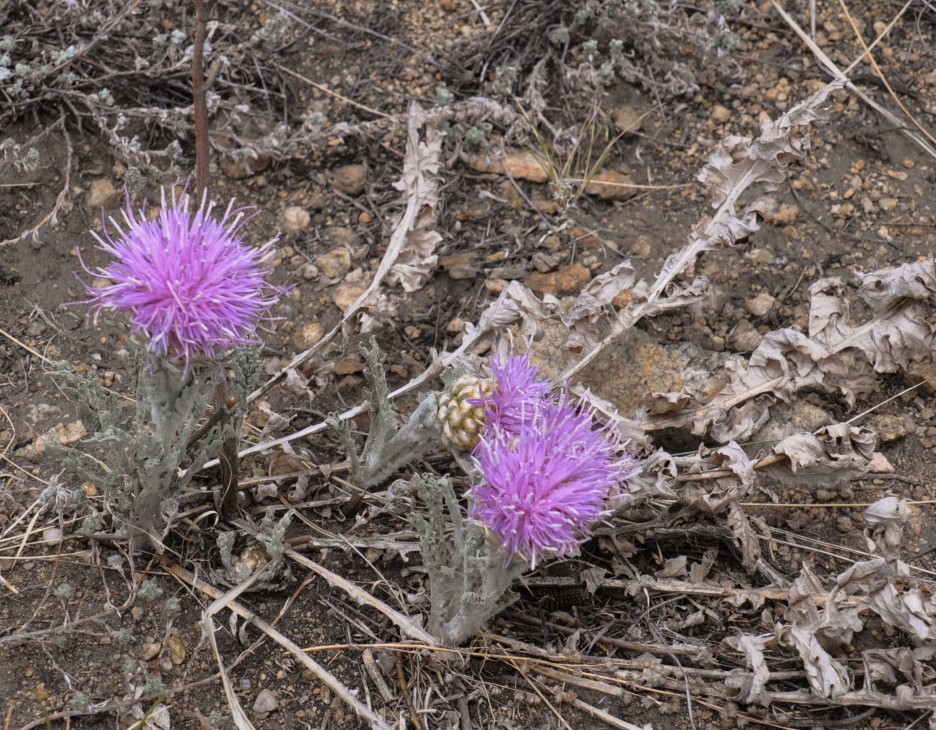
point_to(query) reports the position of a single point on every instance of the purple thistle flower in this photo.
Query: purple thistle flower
(543, 486)
(517, 393)
(192, 286)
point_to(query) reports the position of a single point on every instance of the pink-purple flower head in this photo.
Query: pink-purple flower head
(546, 473)
(516, 393)
(189, 282)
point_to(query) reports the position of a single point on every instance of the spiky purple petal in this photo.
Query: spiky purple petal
(516, 395)
(189, 282)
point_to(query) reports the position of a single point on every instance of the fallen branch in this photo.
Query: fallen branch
(735, 166)
(223, 600)
(406, 625)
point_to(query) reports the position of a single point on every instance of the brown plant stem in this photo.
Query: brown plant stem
(199, 103)
(228, 456)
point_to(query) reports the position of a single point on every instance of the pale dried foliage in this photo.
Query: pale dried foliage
(842, 353)
(810, 621)
(418, 238)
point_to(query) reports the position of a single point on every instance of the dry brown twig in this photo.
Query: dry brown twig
(842, 77)
(406, 625)
(223, 600)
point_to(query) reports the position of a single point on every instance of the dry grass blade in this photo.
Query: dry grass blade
(324, 675)
(240, 718)
(9, 586)
(403, 622)
(877, 69)
(326, 90)
(38, 355)
(606, 717)
(841, 75)
(373, 671)
(406, 625)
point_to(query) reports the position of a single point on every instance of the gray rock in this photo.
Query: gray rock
(266, 701)
(744, 337)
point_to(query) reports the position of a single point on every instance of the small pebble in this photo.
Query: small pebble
(880, 464)
(720, 114)
(495, 286)
(306, 336)
(611, 185)
(760, 305)
(150, 651)
(296, 218)
(334, 264)
(567, 280)
(745, 337)
(266, 701)
(641, 247)
(349, 365)
(627, 119)
(176, 649)
(102, 194)
(346, 294)
(350, 179)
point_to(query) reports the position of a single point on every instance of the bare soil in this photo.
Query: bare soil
(865, 199)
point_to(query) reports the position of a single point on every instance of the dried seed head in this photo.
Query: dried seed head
(461, 411)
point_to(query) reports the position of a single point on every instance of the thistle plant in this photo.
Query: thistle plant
(389, 445)
(542, 472)
(194, 294)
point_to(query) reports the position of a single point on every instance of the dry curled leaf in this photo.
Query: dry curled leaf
(674, 568)
(826, 676)
(901, 666)
(911, 610)
(745, 537)
(834, 356)
(884, 524)
(833, 453)
(595, 301)
(416, 259)
(749, 682)
(730, 477)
